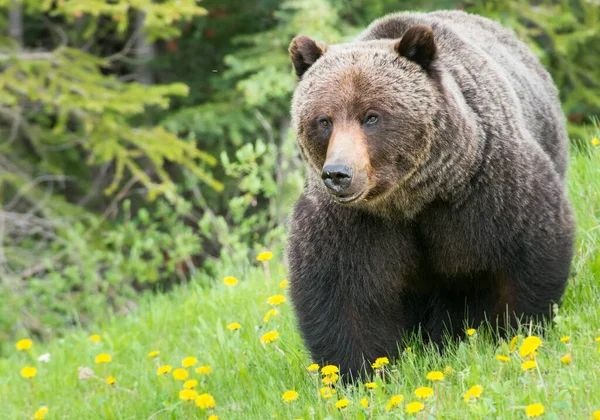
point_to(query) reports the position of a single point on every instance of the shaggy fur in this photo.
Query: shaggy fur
(462, 216)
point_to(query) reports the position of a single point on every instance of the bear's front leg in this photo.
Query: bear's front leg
(347, 273)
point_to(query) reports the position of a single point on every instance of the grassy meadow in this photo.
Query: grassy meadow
(239, 377)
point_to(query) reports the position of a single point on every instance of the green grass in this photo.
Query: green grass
(248, 379)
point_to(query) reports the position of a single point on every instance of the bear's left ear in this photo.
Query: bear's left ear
(304, 51)
(418, 45)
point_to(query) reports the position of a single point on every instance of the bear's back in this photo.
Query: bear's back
(501, 80)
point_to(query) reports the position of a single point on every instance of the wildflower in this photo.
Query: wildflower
(327, 392)
(264, 256)
(213, 417)
(312, 368)
(513, 343)
(330, 379)
(234, 326)
(529, 364)
(408, 349)
(394, 401)
(272, 312)
(566, 359)
(44, 357)
(24, 344)
(565, 338)
(103, 358)
(203, 370)
(424, 392)
(190, 383)
(28, 372)
(111, 380)
(283, 284)
(529, 346)
(595, 141)
(534, 410)
(371, 385)
(289, 396)
(435, 375)
(230, 281)
(364, 402)
(276, 300)
(40, 413)
(269, 337)
(503, 358)
(189, 361)
(473, 392)
(180, 374)
(597, 339)
(153, 353)
(205, 401)
(188, 394)
(95, 338)
(414, 407)
(448, 370)
(329, 369)
(164, 369)
(471, 331)
(380, 362)
(343, 403)
(596, 415)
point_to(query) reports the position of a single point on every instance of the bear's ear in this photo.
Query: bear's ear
(304, 51)
(418, 45)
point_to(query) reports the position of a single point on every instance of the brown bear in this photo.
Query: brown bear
(435, 193)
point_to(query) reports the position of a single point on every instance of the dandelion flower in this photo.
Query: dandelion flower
(40, 413)
(204, 370)
(272, 312)
(180, 374)
(473, 393)
(312, 368)
(28, 372)
(330, 379)
(371, 385)
(513, 343)
(529, 364)
(283, 284)
(435, 375)
(597, 339)
(529, 346)
(380, 362)
(230, 281)
(289, 396)
(394, 401)
(329, 369)
(534, 410)
(234, 326)
(408, 349)
(24, 344)
(153, 353)
(566, 359)
(414, 407)
(213, 417)
(103, 358)
(188, 394)
(565, 338)
(190, 383)
(164, 369)
(448, 370)
(111, 380)
(95, 338)
(189, 361)
(596, 415)
(205, 401)
(471, 331)
(276, 300)
(343, 403)
(264, 256)
(364, 402)
(503, 358)
(327, 392)
(423, 392)
(269, 337)
(595, 141)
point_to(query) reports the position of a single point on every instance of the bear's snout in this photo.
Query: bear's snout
(337, 178)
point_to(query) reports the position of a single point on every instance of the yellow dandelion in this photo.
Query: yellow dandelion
(597, 339)
(95, 338)
(204, 370)
(503, 358)
(471, 331)
(213, 417)
(276, 300)
(414, 407)
(230, 281)
(513, 343)
(408, 349)
(189, 361)
(205, 401)
(40, 413)
(435, 375)
(180, 374)
(272, 312)
(380, 362)
(371, 385)
(24, 344)
(530, 345)
(529, 364)
(343, 403)
(164, 370)
(188, 394)
(234, 326)
(28, 372)
(364, 402)
(394, 401)
(153, 353)
(327, 392)
(423, 392)
(596, 415)
(111, 380)
(264, 256)
(565, 338)
(289, 396)
(473, 393)
(330, 379)
(103, 358)
(283, 284)
(329, 369)
(566, 359)
(448, 370)
(190, 383)
(312, 368)
(595, 141)
(269, 337)
(534, 410)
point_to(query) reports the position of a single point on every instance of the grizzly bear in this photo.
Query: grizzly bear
(435, 194)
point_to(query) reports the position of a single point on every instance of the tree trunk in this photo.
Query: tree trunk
(15, 22)
(144, 52)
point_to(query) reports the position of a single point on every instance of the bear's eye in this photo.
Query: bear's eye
(324, 122)
(371, 119)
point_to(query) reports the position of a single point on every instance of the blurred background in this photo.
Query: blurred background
(145, 142)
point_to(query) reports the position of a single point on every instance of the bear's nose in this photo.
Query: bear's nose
(337, 177)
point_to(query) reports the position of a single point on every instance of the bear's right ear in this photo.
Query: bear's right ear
(304, 51)
(418, 45)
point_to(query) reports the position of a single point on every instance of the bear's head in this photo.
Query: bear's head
(364, 113)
